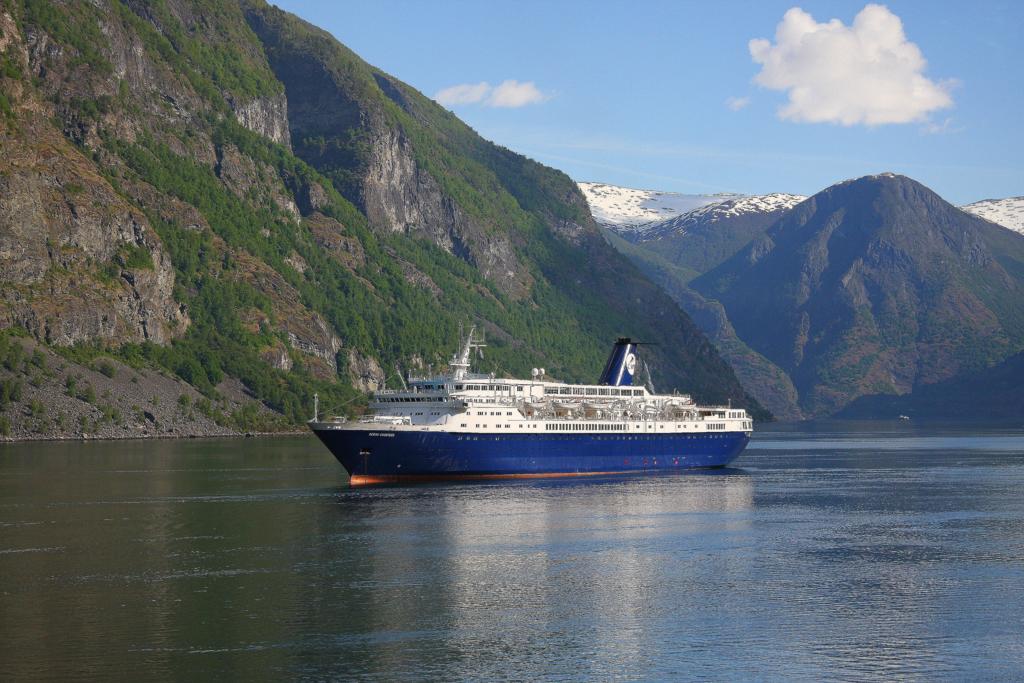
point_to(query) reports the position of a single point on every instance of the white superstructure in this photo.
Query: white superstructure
(465, 402)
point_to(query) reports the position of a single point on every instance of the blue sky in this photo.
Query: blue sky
(661, 95)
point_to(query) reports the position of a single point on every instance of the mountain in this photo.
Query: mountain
(697, 219)
(1008, 212)
(674, 251)
(768, 383)
(700, 239)
(223, 193)
(696, 236)
(629, 211)
(994, 395)
(874, 286)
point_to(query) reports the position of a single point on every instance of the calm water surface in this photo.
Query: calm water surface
(835, 554)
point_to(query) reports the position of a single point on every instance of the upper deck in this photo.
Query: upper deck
(465, 401)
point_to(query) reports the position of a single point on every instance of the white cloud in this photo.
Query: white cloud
(509, 94)
(736, 103)
(466, 93)
(866, 73)
(515, 94)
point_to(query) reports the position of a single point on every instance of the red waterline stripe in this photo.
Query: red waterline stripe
(363, 479)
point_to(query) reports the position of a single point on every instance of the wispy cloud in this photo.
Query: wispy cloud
(566, 146)
(466, 93)
(509, 94)
(515, 94)
(939, 128)
(867, 73)
(736, 103)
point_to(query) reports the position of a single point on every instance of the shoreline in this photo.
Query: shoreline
(151, 437)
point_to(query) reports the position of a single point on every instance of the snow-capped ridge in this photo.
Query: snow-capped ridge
(1008, 213)
(765, 203)
(627, 210)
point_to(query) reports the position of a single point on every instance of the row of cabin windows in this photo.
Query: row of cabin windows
(497, 426)
(594, 391)
(624, 437)
(411, 399)
(582, 427)
(484, 412)
(562, 391)
(561, 427)
(569, 427)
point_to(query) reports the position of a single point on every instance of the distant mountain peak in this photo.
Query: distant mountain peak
(877, 179)
(884, 175)
(712, 213)
(628, 210)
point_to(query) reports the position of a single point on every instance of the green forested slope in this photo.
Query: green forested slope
(209, 214)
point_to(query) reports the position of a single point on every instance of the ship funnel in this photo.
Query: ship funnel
(621, 365)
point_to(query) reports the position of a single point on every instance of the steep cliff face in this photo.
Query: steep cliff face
(345, 126)
(83, 257)
(401, 197)
(77, 262)
(226, 193)
(266, 116)
(416, 170)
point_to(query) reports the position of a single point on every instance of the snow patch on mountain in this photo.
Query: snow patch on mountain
(1008, 212)
(627, 210)
(712, 213)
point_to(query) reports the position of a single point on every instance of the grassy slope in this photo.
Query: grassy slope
(582, 294)
(564, 324)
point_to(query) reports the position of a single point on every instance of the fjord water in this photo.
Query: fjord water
(838, 553)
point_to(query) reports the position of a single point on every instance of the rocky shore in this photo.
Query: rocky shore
(45, 396)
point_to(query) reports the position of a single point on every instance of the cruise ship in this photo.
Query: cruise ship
(462, 424)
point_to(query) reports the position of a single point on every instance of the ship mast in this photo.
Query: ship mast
(460, 361)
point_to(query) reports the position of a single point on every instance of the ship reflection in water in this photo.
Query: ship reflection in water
(863, 556)
(529, 571)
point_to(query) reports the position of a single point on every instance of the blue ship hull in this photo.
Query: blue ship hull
(379, 456)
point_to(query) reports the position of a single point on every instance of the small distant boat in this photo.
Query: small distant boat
(469, 425)
(904, 417)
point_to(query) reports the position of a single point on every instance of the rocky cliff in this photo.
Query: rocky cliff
(77, 261)
(225, 194)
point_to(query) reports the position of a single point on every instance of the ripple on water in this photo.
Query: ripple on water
(823, 556)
